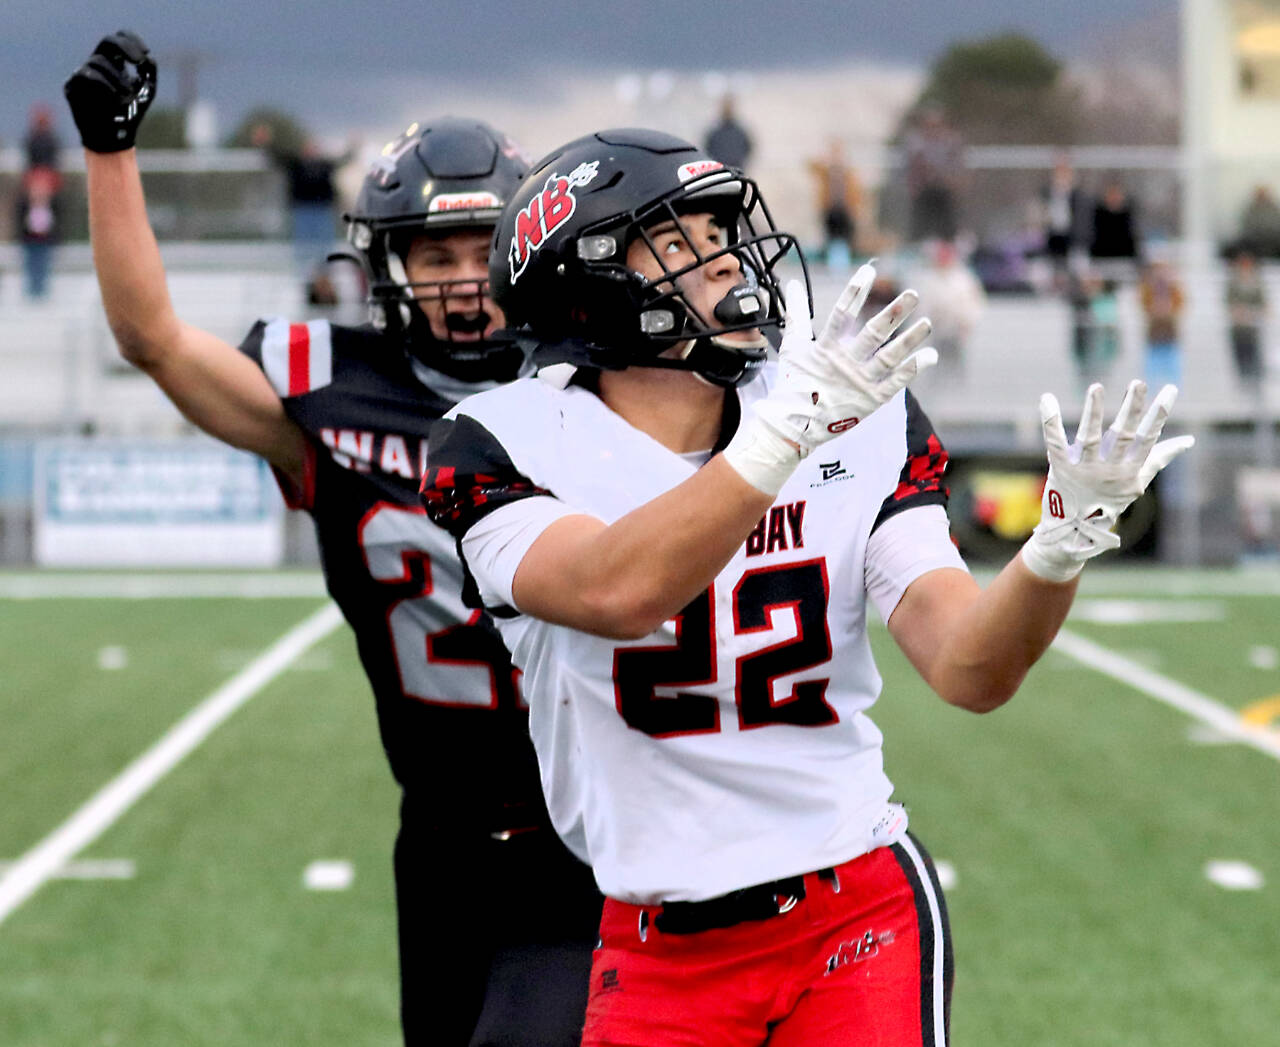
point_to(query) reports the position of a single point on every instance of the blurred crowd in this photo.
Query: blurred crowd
(1083, 243)
(1082, 239)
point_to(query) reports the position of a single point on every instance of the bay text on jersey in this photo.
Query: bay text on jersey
(780, 523)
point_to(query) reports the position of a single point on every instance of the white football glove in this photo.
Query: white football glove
(1092, 481)
(827, 385)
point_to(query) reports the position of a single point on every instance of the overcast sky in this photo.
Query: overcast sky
(334, 62)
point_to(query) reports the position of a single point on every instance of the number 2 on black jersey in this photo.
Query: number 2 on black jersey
(640, 671)
(442, 654)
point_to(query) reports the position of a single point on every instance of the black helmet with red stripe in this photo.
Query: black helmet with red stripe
(451, 175)
(558, 267)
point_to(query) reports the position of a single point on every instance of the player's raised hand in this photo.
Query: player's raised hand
(1094, 479)
(828, 384)
(856, 368)
(110, 93)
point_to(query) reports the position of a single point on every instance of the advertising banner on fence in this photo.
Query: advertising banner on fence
(995, 504)
(189, 503)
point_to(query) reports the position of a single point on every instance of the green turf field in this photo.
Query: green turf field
(1078, 823)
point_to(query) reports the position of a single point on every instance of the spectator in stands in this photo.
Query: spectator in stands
(1162, 301)
(935, 174)
(1115, 225)
(1080, 288)
(37, 205)
(312, 199)
(41, 143)
(1260, 225)
(727, 140)
(1066, 216)
(1247, 309)
(1011, 261)
(839, 200)
(1095, 315)
(954, 297)
(1104, 315)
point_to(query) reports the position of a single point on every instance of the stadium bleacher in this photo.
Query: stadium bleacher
(63, 376)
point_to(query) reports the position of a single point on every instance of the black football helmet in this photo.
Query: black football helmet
(558, 266)
(447, 175)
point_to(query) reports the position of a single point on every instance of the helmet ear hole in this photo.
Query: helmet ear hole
(396, 268)
(360, 236)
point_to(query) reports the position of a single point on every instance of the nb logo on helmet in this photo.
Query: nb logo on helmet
(545, 213)
(1055, 505)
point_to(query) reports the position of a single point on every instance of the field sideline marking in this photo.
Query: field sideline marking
(33, 869)
(1198, 706)
(90, 585)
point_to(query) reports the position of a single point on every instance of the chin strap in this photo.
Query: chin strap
(455, 389)
(723, 363)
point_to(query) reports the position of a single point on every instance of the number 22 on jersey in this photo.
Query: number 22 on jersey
(798, 588)
(443, 654)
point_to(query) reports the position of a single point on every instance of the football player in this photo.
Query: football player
(679, 540)
(342, 415)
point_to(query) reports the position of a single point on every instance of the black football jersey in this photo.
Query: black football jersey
(449, 709)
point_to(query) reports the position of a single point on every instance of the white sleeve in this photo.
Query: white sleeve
(495, 545)
(905, 546)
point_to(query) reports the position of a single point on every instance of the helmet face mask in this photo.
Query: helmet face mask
(570, 285)
(669, 315)
(458, 308)
(449, 177)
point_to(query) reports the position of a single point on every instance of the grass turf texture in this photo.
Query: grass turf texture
(1079, 820)
(215, 941)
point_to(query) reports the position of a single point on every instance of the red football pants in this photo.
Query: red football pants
(864, 959)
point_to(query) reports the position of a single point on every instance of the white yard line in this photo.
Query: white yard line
(1156, 582)
(89, 869)
(29, 873)
(1223, 719)
(1116, 611)
(38, 585)
(1182, 581)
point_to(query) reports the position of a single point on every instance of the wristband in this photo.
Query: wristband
(1051, 564)
(761, 456)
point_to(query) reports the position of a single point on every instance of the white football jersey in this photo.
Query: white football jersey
(732, 746)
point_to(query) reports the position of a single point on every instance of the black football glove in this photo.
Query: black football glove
(110, 93)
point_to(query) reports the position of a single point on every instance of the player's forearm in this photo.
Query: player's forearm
(127, 258)
(626, 579)
(213, 385)
(999, 637)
